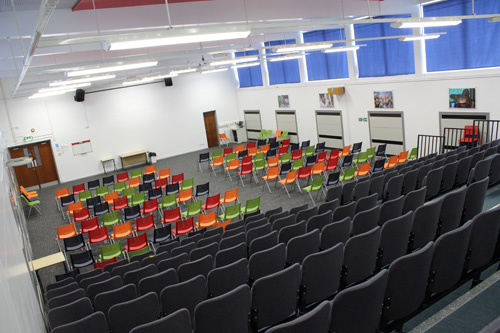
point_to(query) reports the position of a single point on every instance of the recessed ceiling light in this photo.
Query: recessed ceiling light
(425, 24)
(101, 70)
(88, 79)
(342, 49)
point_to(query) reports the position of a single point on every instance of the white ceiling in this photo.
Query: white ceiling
(269, 20)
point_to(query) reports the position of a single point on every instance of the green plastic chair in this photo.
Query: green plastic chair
(262, 134)
(316, 185)
(284, 135)
(119, 187)
(371, 153)
(83, 196)
(285, 158)
(194, 208)
(129, 192)
(102, 191)
(229, 157)
(251, 206)
(132, 254)
(297, 164)
(110, 219)
(309, 151)
(231, 212)
(413, 154)
(258, 157)
(269, 134)
(32, 204)
(138, 198)
(111, 250)
(258, 166)
(348, 174)
(187, 184)
(167, 201)
(136, 173)
(216, 153)
(361, 158)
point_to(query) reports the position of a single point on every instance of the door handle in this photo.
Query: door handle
(34, 163)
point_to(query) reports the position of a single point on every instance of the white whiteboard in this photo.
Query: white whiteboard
(81, 147)
(387, 128)
(287, 121)
(253, 124)
(330, 129)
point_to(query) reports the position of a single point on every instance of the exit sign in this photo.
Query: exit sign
(28, 138)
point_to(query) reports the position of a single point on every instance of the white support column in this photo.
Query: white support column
(263, 66)
(419, 49)
(352, 59)
(302, 61)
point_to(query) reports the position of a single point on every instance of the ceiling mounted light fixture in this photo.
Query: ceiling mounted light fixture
(425, 23)
(69, 87)
(247, 64)
(139, 81)
(88, 79)
(233, 61)
(182, 71)
(184, 39)
(52, 93)
(342, 49)
(304, 47)
(494, 19)
(419, 37)
(215, 70)
(286, 57)
(118, 68)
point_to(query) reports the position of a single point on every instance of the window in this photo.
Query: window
(384, 57)
(249, 76)
(325, 66)
(286, 71)
(471, 44)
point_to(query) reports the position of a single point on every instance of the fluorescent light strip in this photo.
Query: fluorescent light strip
(112, 69)
(47, 94)
(157, 77)
(303, 48)
(341, 49)
(233, 61)
(182, 71)
(283, 58)
(249, 64)
(177, 40)
(214, 70)
(431, 2)
(89, 79)
(419, 37)
(425, 24)
(140, 81)
(494, 19)
(70, 87)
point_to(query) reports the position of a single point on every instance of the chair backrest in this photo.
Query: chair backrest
(451, 210)
(360, 255)
(223, 279)
(95, 322)
(70, 312)
(167, 247)
(288, 232)
(299, 247)
(185, 294)
(344, 211)
(317, 320)
(319, 221)
(258, 232)
(96, 288)
(197, 267)
(187, 248)
(231, 254)
(66, 298)
(474, 199)
(263, 242)
(414, 199)
(425, 224)
(365, 221)
(377, 185)
(346, 314)
(173, 262)
(178, 321)
(267, 262)
(305, 214)
(84, 283)
(391, 209)
(202, 251)
(137, 275)
(123, 317)
(394, 238)
(335, 232)
(483, 239)
(393, 188)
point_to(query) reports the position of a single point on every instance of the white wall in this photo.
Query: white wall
(421, 98)
(166, 120)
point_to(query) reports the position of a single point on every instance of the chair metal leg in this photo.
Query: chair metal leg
(287, 191)
(312, 198)
(242, 183)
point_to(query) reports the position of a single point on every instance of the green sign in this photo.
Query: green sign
(28, 138)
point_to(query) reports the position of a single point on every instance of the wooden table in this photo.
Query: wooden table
(133, 158)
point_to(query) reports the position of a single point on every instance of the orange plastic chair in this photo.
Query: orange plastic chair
(73, 207)
(134, 182)
(278, 133)
(224, 139)
(272, 162)
(207, 220)
(272, 173)
(32, 194)
(164, 174)
(150, 169)
(122, 230)
(239, 148)
(66, 231)
(89, 225)
(393, 160)
(229, 196)
(144, 223)
(363, 170)
(402, 157)
(233, 165)
(317, 168)
(110, 197)
(291, 177)
(264, 149)
(185, 195)
(223, 224)
(252, 151)
(217, 161)
(62, 192)
(345, 151)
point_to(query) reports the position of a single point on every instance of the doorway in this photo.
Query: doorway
(42, 171)
(211, 129)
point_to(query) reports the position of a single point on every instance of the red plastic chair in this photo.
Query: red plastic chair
(332, 164)
(251, 144)
(321, 157)
(286, 143)
(150, 206)
(78, 188)
(89, 225)
(137, 242)
(184, 226)
(98, 235)
(211, 202)
(246, 169)
(334, 153)
(227, 151)
(282, 150)
(144, 223)
(163, 182)
(471, 134)
(104, 263)
(120, 203)
(81, 214)
(296, 154)
(304, 172)
(171, 215)
(177, 178)
(246, 160)
(122, 177)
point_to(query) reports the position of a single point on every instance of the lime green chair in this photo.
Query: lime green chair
(371, 153)
(262, 134)
(136, 173)
(102, 191)
(348, 174)
(309, 151)
(258, 166)
(285, 158)
(187, 184)
(297, 164)
(168, 201)
(132, 254)
(413, 154)
(284, 136)
(231, 212)
(216, 153)
(361, 158)
(83, 196)
(258, 157)
(194, 208)
(252, 205)
(229, 157)
(112, 250)
(32, 204)
(110, 219)
(316, 185)
(138, 198)
(129, 192)
(119, 187)
(269, 134)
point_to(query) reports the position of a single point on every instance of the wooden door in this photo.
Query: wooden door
(41, 171)
(211, 129)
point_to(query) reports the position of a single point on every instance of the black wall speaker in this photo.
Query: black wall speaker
(79, 95)
(168, 82)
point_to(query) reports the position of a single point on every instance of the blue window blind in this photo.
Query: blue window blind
(384, 57)
(282, 71)
(325, 66)
(249, 76)
(471, 44)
